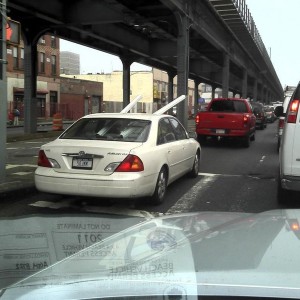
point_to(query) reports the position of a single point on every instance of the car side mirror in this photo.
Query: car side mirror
(278, 111)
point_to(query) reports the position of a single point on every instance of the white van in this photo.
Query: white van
(289, 153)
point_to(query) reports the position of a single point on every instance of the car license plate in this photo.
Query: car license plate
(220, 131)
(82, 163)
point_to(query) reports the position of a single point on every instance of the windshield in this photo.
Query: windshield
(127, 130)
(149, 149)
(228, 106)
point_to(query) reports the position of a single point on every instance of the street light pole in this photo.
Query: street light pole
(3, 90)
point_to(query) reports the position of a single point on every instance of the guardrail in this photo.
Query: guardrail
(246, 16)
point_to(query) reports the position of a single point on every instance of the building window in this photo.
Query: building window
(22, 58)
(42, 40)
(53, 65)
(53, 103)
(53, 41)
(15, 58)
(42, 62)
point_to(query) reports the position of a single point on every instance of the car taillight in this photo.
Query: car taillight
(197, 119)
(43, 160)
(293, 111)
(246, 119)
(131, 163)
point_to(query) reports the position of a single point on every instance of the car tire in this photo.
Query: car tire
(246, 141)
(161, 187)
(262, 126)
(252, 138)
(195, 170)
(283, 195)
(201, 138)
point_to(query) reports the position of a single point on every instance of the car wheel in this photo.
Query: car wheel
(283, 195)
(252, 138)
(161, 187)
(246, 141)
(262, 127)
(195, 170)
(201, 138)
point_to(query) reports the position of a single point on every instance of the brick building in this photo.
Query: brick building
(80, 97)
(48, 81)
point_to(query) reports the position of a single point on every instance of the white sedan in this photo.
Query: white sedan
(118, 155)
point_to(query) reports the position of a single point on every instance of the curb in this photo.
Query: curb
(32, 136)
(15, 194)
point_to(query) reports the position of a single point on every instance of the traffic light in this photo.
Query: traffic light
(13, 32)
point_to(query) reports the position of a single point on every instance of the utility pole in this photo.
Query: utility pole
(3, 90)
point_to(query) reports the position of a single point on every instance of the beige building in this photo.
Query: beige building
(152, 85)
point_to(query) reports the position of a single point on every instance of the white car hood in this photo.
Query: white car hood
(227, 254)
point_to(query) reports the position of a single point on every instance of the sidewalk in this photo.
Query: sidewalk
(13, 187)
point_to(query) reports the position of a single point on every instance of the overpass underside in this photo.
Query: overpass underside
(210, 41)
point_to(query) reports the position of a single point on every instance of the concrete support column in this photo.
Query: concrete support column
(171, 76)
(196, 95)
(225, 75)
(255, 90)
(245, 84)
(30, 85)
(126, 80)
(182, 67)
(213, 92)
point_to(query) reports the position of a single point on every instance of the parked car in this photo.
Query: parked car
(271, 117)
(289, 154)
(119, 155)
(227, 118)
(260, 114)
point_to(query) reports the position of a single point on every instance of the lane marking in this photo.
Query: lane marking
(188, 200)
(213, 175)
(12, 148)
(262, 159)
(10, 166)
(116, 210)
(22, 173)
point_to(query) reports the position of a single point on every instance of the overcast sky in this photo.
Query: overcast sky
(277, 21)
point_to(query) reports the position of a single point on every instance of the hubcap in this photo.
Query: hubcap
(161, 185)
(196, 165)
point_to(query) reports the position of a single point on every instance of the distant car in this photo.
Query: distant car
(271, 117)
(260, 114)
(289, 154)
(118, 155)
(226, 118)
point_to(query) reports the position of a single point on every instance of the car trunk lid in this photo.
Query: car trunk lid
(87, 157)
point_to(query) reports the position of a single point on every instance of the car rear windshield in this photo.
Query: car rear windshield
(109, 129)
(269, 109)
(228, 106)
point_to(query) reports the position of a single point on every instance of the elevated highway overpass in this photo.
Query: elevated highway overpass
(210, 41)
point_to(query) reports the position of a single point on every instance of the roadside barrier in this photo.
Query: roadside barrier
(57, 122)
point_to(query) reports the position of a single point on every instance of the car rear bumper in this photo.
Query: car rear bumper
(121, 185)
(226, 133)
(290, 182)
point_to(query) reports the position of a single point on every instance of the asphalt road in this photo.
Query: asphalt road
(231, 178)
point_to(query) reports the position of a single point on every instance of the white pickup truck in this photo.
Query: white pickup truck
(289, 153)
